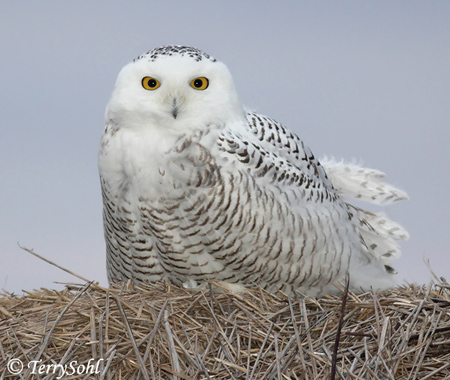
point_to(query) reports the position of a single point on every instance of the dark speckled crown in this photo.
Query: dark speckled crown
(170, 50)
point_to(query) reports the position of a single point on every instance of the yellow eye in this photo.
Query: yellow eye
(150, 83)
(200, 83)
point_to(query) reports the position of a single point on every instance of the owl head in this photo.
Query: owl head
(174, 88)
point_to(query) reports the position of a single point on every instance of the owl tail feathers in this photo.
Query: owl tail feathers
(352, 181)
(379, 233)
(373, 270)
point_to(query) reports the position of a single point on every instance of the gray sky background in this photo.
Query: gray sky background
(368, 80)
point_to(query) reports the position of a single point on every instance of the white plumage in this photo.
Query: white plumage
(195, 188)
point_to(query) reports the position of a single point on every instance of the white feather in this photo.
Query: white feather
(353, 181)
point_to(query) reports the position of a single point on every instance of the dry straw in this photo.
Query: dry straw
(165, 332)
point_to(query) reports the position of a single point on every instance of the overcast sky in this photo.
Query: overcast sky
(365, 80)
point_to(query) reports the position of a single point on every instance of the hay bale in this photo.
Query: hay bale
(165, 332)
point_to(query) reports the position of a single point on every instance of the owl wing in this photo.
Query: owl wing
(276, 156)
(288, 162)
(274, 137)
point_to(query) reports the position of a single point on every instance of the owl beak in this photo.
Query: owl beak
(175, 107)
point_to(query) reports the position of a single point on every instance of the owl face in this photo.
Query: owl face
(173, 91)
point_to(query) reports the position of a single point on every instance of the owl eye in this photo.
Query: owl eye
(150, 83)
(200, 83)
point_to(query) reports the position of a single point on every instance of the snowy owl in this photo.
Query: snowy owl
(196, 188)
